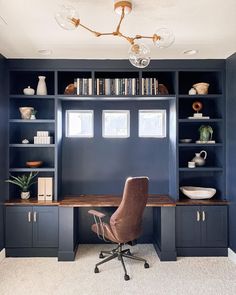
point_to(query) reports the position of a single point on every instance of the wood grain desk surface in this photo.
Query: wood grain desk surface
(155, 200)
(112, 201)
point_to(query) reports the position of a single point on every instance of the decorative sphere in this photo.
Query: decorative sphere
(139, 55)
(167, 38)
(65, 17)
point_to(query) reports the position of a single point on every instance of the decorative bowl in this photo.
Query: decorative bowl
(34, 164)
(198, 193)
(201, 88)
(185, 140)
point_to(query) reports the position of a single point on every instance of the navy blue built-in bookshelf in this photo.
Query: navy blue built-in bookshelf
(177, 76)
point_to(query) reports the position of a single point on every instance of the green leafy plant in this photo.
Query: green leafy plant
(206, 132)
(24, 181)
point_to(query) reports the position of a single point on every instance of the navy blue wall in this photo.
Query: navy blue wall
(99, 165)
(3, 143)
(231, 146)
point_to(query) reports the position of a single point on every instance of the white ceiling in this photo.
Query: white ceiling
(27, 26)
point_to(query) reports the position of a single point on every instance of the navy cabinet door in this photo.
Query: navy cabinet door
(214, 226)
(18, 226)
(188, 229)
(45, 226)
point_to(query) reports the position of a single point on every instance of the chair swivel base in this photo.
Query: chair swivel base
(119, 253)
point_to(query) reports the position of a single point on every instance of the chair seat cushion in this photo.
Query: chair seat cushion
(108, 234)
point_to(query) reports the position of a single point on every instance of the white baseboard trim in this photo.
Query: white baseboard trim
(232, 255)
(2, 255)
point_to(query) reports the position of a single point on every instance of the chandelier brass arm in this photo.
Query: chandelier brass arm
(117, 32)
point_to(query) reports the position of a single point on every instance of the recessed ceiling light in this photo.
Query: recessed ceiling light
(190, 52)
(45, 51)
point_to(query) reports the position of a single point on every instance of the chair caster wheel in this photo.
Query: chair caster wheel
(126, 277)
(101, 255)
(96, 270)
(146, 265)
(129, 253)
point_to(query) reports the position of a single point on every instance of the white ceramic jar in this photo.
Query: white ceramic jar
(28, 91)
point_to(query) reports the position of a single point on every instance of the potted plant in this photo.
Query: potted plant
(206, 132)
(24, 182)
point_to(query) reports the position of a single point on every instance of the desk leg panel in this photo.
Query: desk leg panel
(67, 233)
(164, 233)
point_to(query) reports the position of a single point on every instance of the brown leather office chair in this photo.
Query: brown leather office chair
(125, 224)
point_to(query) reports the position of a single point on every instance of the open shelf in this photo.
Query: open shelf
(190, 145)
(31, 121)
(200, 169)
(22, 79)
(23, 96)
(29, 145)
(199, 120)
(188, 78)
(31, 169)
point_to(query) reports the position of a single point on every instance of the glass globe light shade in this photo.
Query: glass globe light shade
(139, 55)
(67, 17)
(167, 38)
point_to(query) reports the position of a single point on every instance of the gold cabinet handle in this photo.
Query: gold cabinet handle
(35, 216)
(29, 216)
(198, 216)
(203, 216)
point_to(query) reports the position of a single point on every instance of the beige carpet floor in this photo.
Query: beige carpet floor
(42, 276)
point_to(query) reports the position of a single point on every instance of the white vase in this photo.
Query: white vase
(42, 87)
(25, 195)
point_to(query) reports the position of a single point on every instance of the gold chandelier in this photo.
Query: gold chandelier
(139, 53)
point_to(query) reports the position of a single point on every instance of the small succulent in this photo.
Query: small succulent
(206, 132)
(24, 181)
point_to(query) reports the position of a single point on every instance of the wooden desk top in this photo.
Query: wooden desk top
(30, 202)
(112, 201)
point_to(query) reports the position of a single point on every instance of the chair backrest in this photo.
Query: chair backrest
(127, 219)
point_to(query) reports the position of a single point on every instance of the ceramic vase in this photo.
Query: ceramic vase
(25, 195)
(42, 87)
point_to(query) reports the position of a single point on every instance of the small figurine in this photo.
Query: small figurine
(25, 141)
(197, 106)
(192, 91)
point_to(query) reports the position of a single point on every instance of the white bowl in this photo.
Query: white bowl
(198, 193)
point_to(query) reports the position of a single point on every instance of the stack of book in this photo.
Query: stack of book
(117, 86)
(149, 86)
(83, 86)
(42, 138)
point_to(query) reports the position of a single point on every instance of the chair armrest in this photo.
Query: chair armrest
(96, 213)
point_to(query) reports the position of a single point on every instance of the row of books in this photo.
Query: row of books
(124, 86)
(150, 86)
(117, 86)
(83, 86)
